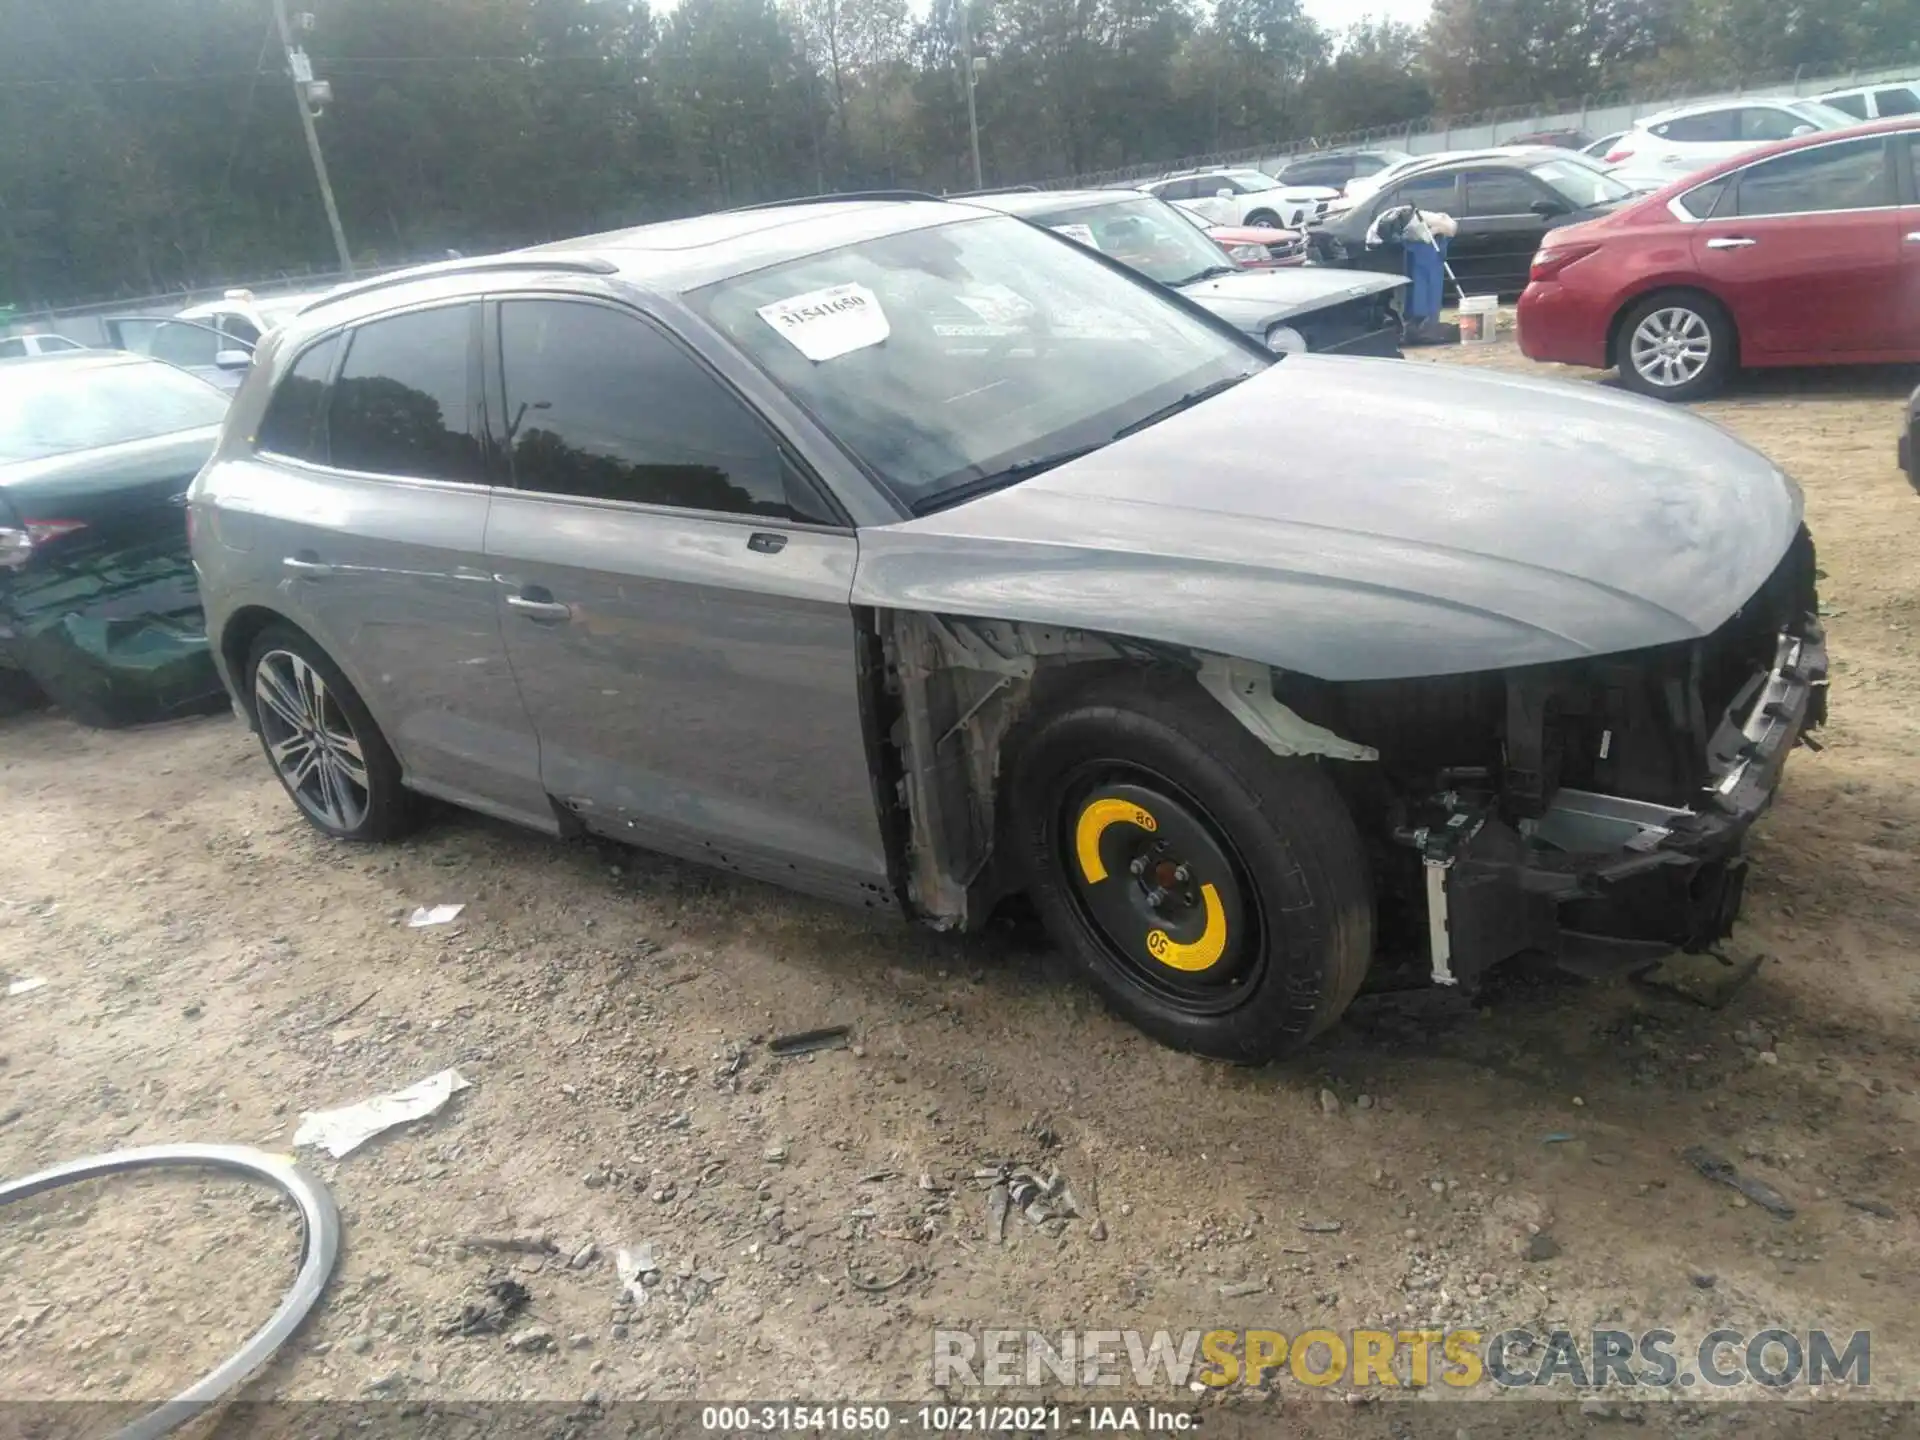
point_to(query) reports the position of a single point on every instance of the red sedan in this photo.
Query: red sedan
(1806, 252)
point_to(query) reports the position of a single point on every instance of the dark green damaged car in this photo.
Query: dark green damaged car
(98, 608)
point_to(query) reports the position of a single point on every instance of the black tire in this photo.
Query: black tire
(1265, 217)
(1689, 320)
(337, 732)
(1265, 927)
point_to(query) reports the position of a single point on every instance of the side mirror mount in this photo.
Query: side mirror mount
(233, 359)
(1799, 130)
(1547, 209)
(1223, 194)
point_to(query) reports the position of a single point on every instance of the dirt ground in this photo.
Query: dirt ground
(214, 968)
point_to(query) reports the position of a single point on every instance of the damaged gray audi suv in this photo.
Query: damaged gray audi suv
(905, 553)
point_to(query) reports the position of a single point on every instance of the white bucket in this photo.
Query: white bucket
(1479, 317)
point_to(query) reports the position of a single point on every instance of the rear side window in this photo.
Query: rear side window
(12, 349)
(1429, 192)
(1854, 105)
(601, 405)
(1901, 100)
(400, 406)
(1713, 126)
(1852, 175)
(291, 426)
(1763, 122)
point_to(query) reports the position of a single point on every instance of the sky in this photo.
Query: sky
(1337, 15)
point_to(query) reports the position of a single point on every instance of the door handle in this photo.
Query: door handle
(765, 542)
(306, 563)
(535, 608)
(1730, 242)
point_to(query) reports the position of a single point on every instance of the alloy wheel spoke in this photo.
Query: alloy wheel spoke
(272, 688)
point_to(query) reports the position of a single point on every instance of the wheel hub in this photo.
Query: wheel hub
(1156, 881)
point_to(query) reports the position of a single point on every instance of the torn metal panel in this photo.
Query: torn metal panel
(1246, 690)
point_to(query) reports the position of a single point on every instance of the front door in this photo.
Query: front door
(1499, 230)
(674, 598)
(1806, 250)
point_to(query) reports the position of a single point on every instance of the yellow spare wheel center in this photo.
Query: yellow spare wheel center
(1194, 955)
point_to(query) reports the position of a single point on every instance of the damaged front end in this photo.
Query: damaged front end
(1591, 810)
(1580, 810)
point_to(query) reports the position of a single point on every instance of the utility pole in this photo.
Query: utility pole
(973, 116)
(304, 88)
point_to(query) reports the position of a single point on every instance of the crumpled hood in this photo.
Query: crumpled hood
(1363, 519)
(1255, 299)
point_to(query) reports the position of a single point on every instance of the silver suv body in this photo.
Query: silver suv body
(913, 555)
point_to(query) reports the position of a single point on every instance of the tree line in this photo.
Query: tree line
(147, 145)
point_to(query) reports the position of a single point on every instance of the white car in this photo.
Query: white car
(1245, 197)
(1678, 142)
(244, 317)
(1875, 102)
(12, 347)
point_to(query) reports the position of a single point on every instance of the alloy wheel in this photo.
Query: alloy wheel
(1671, 347)
(311, 741)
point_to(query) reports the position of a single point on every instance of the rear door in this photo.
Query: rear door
(1906, 164)
(1499, 230)
(1806, 249)
(369, 465)
(674, 597)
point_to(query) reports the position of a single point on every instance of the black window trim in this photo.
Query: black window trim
(1464, 191)
(1732, 178)
(499, 464)
(346, 332)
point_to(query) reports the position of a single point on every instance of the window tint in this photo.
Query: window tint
(400, 404)
(1699, 129)
(291, 425)
(1854, 105)
(184, 342)
(602, 405)
(1319, 172)
(1902, 100)
(1765, 123)
(1699, 201)
(241, 329)
(12, 349)
(1500, 192)
(1852, 175)
(1429, 192)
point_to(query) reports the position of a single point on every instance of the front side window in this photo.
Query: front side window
(291, 426)
(400, 406)
(1500, 192)
(1713, 127)
(1854, 105)
(1851, 175)
(963, 356)
(1763, 122)
(57, 409)
(1900, 100)
(1583, 186)
(12, 349)
(1149, 235)
(1427, 192)
(600, 404)
(184, 342)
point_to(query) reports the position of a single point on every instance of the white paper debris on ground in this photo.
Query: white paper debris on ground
(631, 1266)
(434, 915)
(341, 1132)
(25, 986)
(825, 324)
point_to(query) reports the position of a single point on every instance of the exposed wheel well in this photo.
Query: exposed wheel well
(1702, 298)
(1263, 216)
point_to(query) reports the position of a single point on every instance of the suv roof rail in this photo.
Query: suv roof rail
(996, 190)
(582, 264)
(834, 195)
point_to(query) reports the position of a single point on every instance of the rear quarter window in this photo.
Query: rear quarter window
(292, 425)
(1854, 105)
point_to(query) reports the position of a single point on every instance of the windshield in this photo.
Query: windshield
(1149, 235)
(943, 357)
(58, 408)
(1253, 179)
(1581, 183)
(1819, 113)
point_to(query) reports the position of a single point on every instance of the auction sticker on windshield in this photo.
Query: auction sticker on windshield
(1082, 233)
(824, 324)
